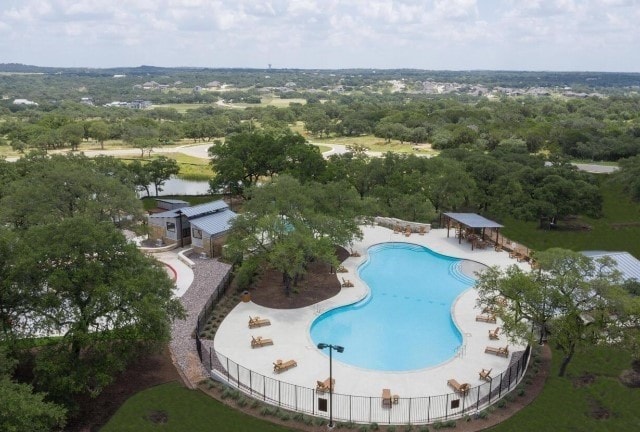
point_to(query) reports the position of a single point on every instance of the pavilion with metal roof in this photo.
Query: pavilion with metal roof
(471, 221)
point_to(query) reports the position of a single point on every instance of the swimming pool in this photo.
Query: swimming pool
(405, 322)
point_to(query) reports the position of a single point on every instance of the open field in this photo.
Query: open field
(184, 107)
(589, 398)
(172, 407)
(617, 230)
(376, 144)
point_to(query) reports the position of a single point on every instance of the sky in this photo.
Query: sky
(535, 35)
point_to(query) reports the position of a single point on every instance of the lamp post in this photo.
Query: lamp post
(331, 348)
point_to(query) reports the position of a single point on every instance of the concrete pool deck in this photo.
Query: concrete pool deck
(289, 331)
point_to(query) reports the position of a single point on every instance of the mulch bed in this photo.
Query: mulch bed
(319, 283)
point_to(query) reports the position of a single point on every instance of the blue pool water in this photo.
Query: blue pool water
(405, 323)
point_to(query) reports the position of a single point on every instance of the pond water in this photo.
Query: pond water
(177, 186)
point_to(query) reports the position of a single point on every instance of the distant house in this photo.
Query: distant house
(24, 102)
(203, 226)
(139, 104)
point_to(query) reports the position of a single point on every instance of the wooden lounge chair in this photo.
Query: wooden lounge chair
(342, 269)
(485, 374)
(396, 399)
(258, 322)
(493, 334)
(461, 389)
(259, 342)
(386, 397)
(488, 318)
(407, 231)
(354, 253)
(324, 386)
(499, 351)
(346, 283)
(280, 366)
(423, 230)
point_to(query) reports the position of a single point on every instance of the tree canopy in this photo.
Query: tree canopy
(286, 224)
(575, 299)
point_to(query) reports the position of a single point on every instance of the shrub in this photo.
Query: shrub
(363, 429)
(242, 402)
(408, 428)
(424, 428)
(391, 429)
(285, 416)
(483, 414)
(320, 422)
(374, 426)
(298, 417)
(501, 403)
(255, 404)
(521, 391)
(266, 411)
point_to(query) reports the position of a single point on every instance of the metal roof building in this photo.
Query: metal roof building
(626, 263)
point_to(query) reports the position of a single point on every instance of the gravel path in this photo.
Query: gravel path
(207, 275)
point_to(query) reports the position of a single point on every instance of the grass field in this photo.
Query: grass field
(618, 230)
(374, 144)
(589, 398)
(184, 410)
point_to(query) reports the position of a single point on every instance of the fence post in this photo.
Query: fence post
(238, 374)
(490, 388)
(370, 409)
(478, 398)
(250, 382)
(446, 408)
(500, 388)
(410, 399)
(429, 410)
(210, 360)
(228, 374)
(279, 392)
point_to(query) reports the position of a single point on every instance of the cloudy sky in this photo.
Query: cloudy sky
(561, 35)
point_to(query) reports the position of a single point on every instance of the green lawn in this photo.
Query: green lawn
(607, 233)
(373, 143)
(184, 410)
(566, 405)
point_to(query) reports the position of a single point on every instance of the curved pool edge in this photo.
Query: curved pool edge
(454, 270)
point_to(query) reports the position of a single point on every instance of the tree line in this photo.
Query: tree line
(78, 301)
(595, 128)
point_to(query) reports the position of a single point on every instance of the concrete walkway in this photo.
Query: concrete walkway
(289, 330)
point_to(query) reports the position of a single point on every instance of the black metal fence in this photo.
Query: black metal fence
(371, 409)
(349, 408)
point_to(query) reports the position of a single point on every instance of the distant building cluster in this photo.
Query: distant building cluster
(136, 104)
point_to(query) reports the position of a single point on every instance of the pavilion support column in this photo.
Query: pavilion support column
(448, 226)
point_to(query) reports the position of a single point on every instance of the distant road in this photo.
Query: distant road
(598, 169)
(202, 151)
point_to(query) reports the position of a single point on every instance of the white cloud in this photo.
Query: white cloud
(514, 34)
